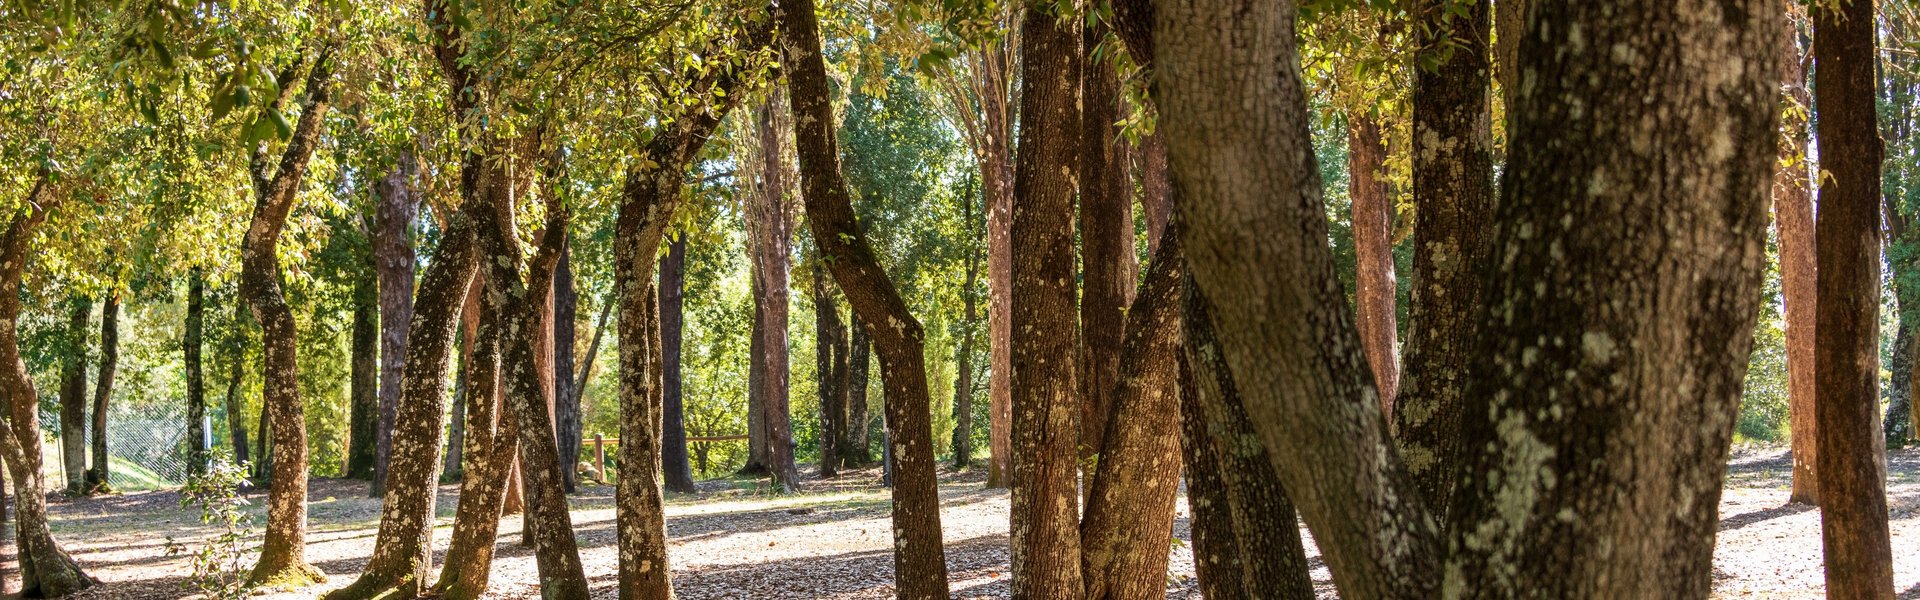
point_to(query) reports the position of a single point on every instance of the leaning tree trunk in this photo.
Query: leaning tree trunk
(491, 443)
(1453, 207)
(1793, 223)
(855, 447)
(1374, 286)
(45, 570)
(363, 417)
(191, 341)
(1106, 228)
(283, 555)
(73, 396)
(920, 568)
(1853, 499)
(1216, 548)
(393, 260)
(1045, 533)
(98, 475)
(829, 369)
(673, 282)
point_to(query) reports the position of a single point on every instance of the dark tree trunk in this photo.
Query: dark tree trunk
(1106, 225)
(73, 397)
(770, 239)
(100, 473)
(1793, 223)
(1262, 537)
(1216, 548)
(236, 375)
(1853, 498)
(566, 402)
(1129, 518)
(673, 282)
(393, 260)
(969, 327)
(756, 383)
(1156, 193)
(1045, 532)
(1374, 287)
(453, 464)
(191, 341)
(1453, 196)
(829, 368)
(856, 449)
(45, 570)
(283, 555)
(919, 560)
(363, 417)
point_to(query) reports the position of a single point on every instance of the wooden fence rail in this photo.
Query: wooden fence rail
(600, 444)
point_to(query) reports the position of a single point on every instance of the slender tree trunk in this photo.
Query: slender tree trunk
(1105, 223)
(283, 555)
(45, 570)
(1216, 548)
(191, 340)
(364, 388)
(73, 396)
(963, 355)
(673, 281)
(566, 402)
(855, 448)
(1374, 286)
(1045, 533)
(1793, 223)
(1453, 195)
(919, 560)
(771, 242)
(756, 382)
(99, 474)
(393, 260)
(236, 375)
(999, 329)
(829, 368)
(1853, 499)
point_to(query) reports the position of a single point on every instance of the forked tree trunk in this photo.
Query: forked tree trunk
(1853, 498)
(1105, 224)
(491, 443)
(1793, 223)
(393, 261)
(920, 568)
(673, 283)
(363, 417)
(1374, 285)
(1453, 198)
(1045, 530)
(73, 396)
(191, 340)
(283, 555)
(99, 474)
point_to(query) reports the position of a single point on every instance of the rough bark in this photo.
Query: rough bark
(1793, 223)
(45, 570)
(969, 328)
(566, 402)
(1129, 518)
(491, 443)
(363, 417)
(236, 375)
(1631, 243)
(1216, 547)
(1510, 23)
(1156, 193)
(99, 474)
(673, 283)
(73, 396)
(1374, 286)
(830, 371)
(1453, 196)
(856, 448)
(756, 382)
(919, 560)
(191, 340)
(393, 261)
(770, 225)
(283, 554)
(1106, 225)
(1853, 498)
(1045, 534)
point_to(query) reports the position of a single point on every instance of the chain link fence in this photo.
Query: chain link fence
(146, 446)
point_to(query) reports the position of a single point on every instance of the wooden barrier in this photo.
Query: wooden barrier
(600, 448)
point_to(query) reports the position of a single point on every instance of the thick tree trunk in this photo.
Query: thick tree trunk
(283, 555)
(771, 226)
(45, 570)
(491, 443)
(673, 282)
(1510, 24)
(1793, 223)
(73, 396)
(191, 340)
(363, 417)
(1156, 193)
(1106, 227)
(566, 402)
(1129, 518)
(100, 473)
(393, 260)
(1853, 493)
(920, 569)
(1216, 547)
(830, 370)
(856, 448)
(1045, 533)
(1374, 286)
(1453, 197)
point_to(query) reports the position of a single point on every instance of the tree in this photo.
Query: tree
(1374, 285)
(364, 381)
(491, 444)
(919, 559)
(191, 341)
(673, 284)
(393, 262)
(73, 395)
(283, 555)
(855, 446)
(830, 370)
(1793, 223)
(770, 242)
(1106, 238)
(566, 400)
(236, 342)
(1852, 496)
(97, 474)
(969, 325)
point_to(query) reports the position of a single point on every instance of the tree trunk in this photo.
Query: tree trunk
(1106, 223)
(363, 417)
(283, 555)
(191, 340)
(236, 375)
(1374, 287)
(1853, 499)
(73, 397)
(771, 225)
(566, 402)
(45, 570)
(99, 474)
(453, 464)
(1453, 197)
(1510, 24)
(856, 449)
(673, 282)
(829, 368)
(987, 121)
(1262, 539)
(919, 560)
(1045, 533)
(491, 444)
(1793, 223)
(756, 382)
(1156, 193)
(393, 260)
(969, 326)
(1129, 518)
(1216, 547)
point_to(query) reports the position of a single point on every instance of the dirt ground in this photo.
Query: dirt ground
(832, 541)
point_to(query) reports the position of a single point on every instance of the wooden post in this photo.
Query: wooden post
(599, 458)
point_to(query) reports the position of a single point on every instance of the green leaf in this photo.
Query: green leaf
(280, 123)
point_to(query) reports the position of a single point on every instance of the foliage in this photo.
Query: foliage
(219, 565)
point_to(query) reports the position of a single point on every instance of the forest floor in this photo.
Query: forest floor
(731, 540)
